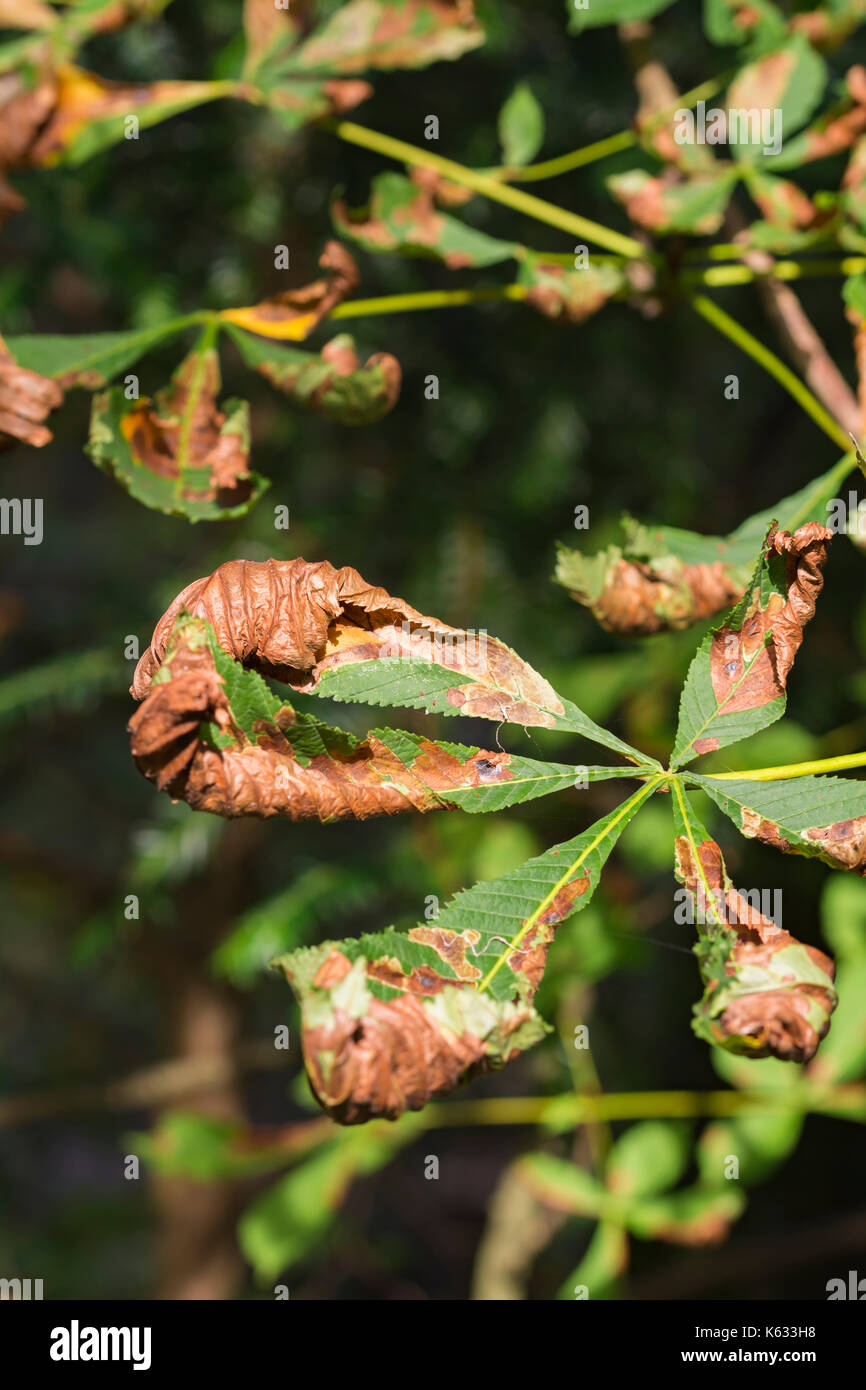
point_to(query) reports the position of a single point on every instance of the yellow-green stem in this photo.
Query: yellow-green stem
(772, 364)
(490, 186)
(788, 770)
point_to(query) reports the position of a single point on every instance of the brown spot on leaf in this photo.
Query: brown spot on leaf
(451, 946)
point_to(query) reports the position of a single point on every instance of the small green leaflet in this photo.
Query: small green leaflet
(521, 127)
(88, 360)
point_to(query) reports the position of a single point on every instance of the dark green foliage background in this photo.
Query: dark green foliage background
(455, 505)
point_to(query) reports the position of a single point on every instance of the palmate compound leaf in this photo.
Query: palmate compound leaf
(390, 1021)
(213, 734)
(661, 577)
(88, 360)
(820, 817)
(765, 993)
(179, 453)
(736, 682)
(327, 632)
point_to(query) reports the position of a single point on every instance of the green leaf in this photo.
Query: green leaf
(331, 382)
(88, 360)
(521, 127)
(757, 22)
(401, 216)
(853, 293)
(591, 14)
(562, 1185)
(385, 34)
(648, 1158)
(573, 295)
(820, 817)
(786, 84)
(736, 682)
(527, 903)
(695, 205)
(696, 1216)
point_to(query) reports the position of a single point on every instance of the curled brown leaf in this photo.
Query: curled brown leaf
(26, 398)
(293, 314)
(767, 994)
(262, 774)
(295, 621)
(746, 671)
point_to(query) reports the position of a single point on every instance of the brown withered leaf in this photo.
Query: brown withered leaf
(391, 1026)
(215, 737)
(24, 108)
(26, 399)
(178, 453)
(766, 994)
(294, 314)
(298, 622)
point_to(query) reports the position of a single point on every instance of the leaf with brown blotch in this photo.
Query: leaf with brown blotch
(388, 1024)
(326, 631)
(788, 80)
(656, 581)
(834, 131)
(782, 203)
(736, 682)
(26, 399)
(331, 382)
(293, 314)
(91, 113)
(766, 994)
(179, 453)
(212, 734)
(268, 30)
(695, 205)
(402, 216)
(384, 34)
(392, 1020)
(660, 578)
(562, 293)
(820, 817)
